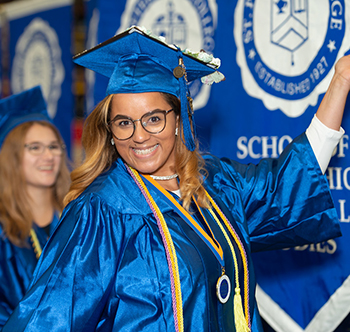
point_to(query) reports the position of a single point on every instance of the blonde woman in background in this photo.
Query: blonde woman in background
(33, 181)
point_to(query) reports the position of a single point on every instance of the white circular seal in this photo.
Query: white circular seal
(37, 61)
(286, 49)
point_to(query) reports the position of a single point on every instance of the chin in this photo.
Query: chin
(145, 168)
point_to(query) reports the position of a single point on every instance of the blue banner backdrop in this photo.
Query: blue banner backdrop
(39, 53)
(278, 58)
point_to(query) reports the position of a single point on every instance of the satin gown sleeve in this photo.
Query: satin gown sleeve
(72, 283)
(279, 203)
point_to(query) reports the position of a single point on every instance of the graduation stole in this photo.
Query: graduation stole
(242, 320)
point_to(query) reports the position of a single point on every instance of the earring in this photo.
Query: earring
(112, 141)
(176, 131)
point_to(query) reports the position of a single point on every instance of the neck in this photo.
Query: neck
(41, 204)
(169, 185)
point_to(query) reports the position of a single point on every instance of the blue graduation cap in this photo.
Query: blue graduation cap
(26, 106)
(137, 62)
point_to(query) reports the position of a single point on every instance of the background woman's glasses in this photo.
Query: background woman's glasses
(38, 149)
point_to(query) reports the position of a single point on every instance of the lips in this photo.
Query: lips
(143, 152)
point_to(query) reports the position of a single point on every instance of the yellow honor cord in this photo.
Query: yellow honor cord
(35, 243)
(241, 320)
(172, 251)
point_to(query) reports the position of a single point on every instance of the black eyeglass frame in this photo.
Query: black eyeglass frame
(133, 122)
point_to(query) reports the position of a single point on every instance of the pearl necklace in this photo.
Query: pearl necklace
(162, 178)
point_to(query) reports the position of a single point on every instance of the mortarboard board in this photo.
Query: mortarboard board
(26, 106)
(136, 61)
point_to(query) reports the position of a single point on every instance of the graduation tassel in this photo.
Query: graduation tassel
(186, 105)
(240, 321)
(185, 116)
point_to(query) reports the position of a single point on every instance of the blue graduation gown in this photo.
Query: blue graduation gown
(105, 269)
(17, 266)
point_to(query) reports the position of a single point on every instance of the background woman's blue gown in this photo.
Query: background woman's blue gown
(105, 269)
(17, 266)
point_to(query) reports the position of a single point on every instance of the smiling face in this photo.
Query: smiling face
(40, 171)
(147, 153)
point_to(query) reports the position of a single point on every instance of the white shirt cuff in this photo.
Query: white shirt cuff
(323, 141)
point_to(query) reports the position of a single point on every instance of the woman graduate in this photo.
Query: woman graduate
(33, 181)
(156, 237)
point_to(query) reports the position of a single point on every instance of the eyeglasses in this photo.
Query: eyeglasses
(38, 149)
(123, 127)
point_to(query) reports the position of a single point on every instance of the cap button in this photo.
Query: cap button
(179, 71)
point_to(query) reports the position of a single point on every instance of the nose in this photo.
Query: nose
(140, 134)
(47, 153)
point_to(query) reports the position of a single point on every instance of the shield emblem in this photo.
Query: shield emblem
(171, 25)
(289, 23)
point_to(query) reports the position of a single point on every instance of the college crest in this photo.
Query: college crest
(286, 49)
